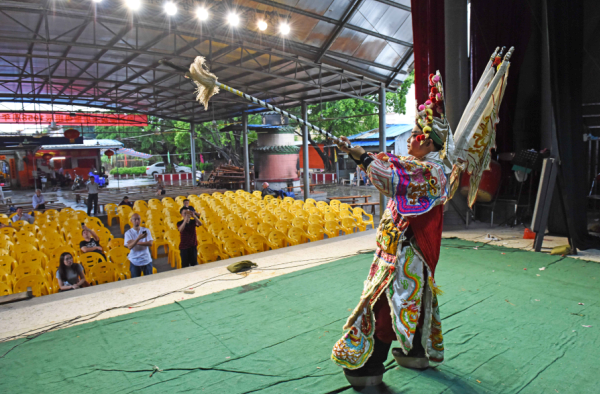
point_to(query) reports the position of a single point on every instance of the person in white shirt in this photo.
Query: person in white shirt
(92, 196)
(138, 240)
(38, 202)
(22, 216)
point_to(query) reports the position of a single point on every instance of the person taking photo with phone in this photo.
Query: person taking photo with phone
(91, 241)
(188, 242)
(138, 240)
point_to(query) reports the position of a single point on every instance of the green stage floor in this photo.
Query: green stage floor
(506, 330)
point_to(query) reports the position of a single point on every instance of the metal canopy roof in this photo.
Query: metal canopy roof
(103, 55)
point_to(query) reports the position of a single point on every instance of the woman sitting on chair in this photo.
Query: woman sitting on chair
(70, 275)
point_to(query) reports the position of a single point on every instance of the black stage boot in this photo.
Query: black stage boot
(370, 374)
(416, 358)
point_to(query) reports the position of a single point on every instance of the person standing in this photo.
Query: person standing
(38, 201)
(188, 242)
(92, 196)
(138, 240)
(399, 299)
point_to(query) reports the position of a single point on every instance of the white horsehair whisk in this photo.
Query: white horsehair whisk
(207, 85)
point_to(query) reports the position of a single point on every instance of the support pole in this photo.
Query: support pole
(456, 76)
(305, 152)
(246, 153)
(382, 140)
(193, 150)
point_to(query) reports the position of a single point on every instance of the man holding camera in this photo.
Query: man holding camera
(187, 231)
(138, 240)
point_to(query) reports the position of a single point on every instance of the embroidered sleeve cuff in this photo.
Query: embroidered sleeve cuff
(364, 160)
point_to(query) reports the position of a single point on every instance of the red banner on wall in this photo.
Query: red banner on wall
(74, 118)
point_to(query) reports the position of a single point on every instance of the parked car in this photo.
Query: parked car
(159, 168)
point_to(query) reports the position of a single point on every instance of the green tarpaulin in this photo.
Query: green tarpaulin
(508, 328)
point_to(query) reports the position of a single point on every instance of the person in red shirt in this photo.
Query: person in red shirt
(188, 242)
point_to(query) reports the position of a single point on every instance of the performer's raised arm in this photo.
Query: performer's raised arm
(416, 181)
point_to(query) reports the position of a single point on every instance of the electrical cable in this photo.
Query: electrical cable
(34, 333)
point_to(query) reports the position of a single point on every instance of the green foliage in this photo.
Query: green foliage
(343, 114)
(128, 171)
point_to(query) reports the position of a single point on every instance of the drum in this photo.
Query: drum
(488, 186)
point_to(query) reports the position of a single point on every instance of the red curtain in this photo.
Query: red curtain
(429, 43)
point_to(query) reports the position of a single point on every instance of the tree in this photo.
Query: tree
(343, 117)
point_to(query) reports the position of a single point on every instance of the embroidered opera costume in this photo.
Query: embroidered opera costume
(399, 301)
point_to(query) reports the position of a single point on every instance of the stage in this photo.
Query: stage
(509, 327)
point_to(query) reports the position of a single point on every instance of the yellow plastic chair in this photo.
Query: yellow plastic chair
(105, 236)
(207, 253)
(158, 233)
(300, 223)
(36, 257)
(268, 198)
(5, 289)
(249, 215)
(345, 207)
(216, 228)
(314, 219)
(19, 223)
(302, 214)
(257, 193)
(245, 232)
(7, 245)
(111, 213)
(332, 216)
(285, 215)
(22, 249)
(27, 238)
(344, 213)
(8, 263)
(297, 236)
(37, 283)
(93, 223)
(28, 268)
(32, 228)
(348, 225)
(283, 226)
(264, 229)
(270, 219)
(358, 213)
(102, 273)
(118, 257)
(332, 228)
(257, 243)
(335, 203)
(91, 259)
(115, 243)
(315, 232)
(326, 209)
(253, 223)
(315, 211)
(277, 239)
(234, 248)
(235, 225)
(227, 235)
